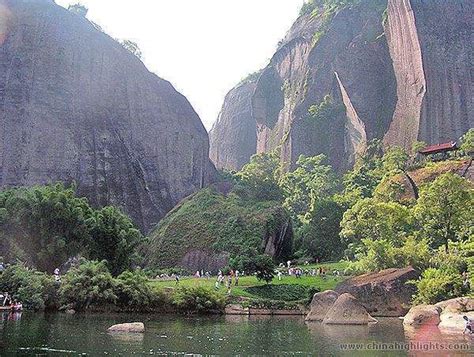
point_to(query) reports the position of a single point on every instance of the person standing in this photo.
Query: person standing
(279, 275)
(236, 278)
(57, 276)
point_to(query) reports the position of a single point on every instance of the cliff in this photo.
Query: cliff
(233, 138)
(350, 71)
(207, 229)
(76, 106)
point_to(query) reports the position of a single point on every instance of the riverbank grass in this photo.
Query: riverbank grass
(327, 282)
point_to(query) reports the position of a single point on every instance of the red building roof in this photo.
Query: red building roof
(436, 149)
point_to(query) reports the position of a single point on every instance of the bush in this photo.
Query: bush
(89, 284)
(437, 285)
(36, 290)
(197, 299)
(134, 293)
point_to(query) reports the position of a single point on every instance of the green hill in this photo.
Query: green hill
(208, 228)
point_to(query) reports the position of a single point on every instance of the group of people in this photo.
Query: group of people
(9, 303)
(228, 280)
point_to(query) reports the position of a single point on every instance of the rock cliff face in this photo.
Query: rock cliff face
(233, 138)
(76, 106)
(398, 70)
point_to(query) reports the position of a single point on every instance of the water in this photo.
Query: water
(61, 334)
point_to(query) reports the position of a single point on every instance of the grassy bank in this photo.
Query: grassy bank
(245, 282)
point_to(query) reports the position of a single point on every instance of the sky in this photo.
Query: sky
(203, 47)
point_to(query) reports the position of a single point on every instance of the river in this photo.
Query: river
(60, 334)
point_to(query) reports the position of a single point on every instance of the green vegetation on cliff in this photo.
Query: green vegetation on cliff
(213, 223)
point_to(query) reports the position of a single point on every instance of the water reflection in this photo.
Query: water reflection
(219, 335)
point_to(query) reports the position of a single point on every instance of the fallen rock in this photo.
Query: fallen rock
(348, 311)
(130, 327)
(321, 304)
(384, 293)
(422, 315)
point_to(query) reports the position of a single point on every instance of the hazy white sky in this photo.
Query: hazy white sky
(203, 47)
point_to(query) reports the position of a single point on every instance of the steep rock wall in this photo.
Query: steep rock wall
(233, 137)
(76, 106)
(431, 47)
(342, 54)
(402, 69)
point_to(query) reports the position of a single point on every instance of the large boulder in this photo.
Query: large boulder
(454, 322)
(457, 305)
(321, 304)
(422, 315)
(384, 293)
(129, 327)
(453, 312)
(347, 311)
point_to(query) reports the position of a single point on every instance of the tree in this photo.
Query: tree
(467, 142)
(395, 159)
(375, 220)
(320, 237)
(311, 182)
(445, 209)
(113, 239)
(368, 171)
(78, 9)
(132, 47)
(45, 225)
(264, 268)
(259, 178)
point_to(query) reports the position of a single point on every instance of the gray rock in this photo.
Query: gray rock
(233, 138)
(76, 106)
(321, 304)
(348, 311)
(384, 293)
(130, 327)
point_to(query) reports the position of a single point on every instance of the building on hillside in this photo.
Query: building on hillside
(439, 151)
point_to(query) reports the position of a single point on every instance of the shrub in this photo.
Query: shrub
(437, 285)
(89, 284)
(197, 299)
(36, 290)
(134, 293)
